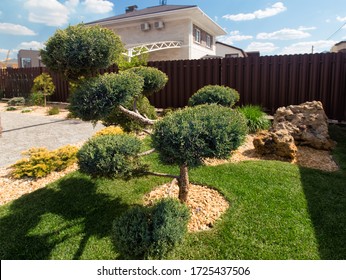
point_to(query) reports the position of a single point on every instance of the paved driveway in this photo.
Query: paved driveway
(22, 131)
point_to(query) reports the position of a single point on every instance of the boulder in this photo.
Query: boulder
(307, 123)
(275, 142)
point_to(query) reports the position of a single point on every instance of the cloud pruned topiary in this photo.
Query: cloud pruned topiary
(215, 94)
(95, 98)
(110, 156)
(189, 135)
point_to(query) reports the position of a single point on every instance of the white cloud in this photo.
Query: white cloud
(3, 51)
(55, 13)
(275, 9)
(233, 36)
(261, 47)
(283, 34)
(34, 45)
(15, 29)
(306, 47)
(342, 19)
(305, 28)
(48, 12)
(98, 6)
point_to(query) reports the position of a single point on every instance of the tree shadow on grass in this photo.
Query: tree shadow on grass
(71, 212)
(326, 198)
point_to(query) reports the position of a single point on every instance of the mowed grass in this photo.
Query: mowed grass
(277, 211)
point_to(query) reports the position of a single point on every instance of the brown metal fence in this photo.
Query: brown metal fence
(269, 81)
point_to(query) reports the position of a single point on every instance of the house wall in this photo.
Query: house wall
(222, 50)
(131, 34)
(200, 49)
(174, 30)
(340, 47)
(29, 58)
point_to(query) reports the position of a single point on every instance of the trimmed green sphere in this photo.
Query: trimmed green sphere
(188, 136)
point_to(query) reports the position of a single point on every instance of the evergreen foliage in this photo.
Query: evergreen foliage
(215, 94)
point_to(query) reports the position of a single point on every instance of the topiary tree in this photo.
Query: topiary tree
(43, 86)
(188, 136)
(215, 94)
(110, 156)
(95, 98)
(81, 50)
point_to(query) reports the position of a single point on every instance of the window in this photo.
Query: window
(208, 41)
(26, 62)
(197, 35)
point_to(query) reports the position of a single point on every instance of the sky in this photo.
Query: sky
(270, 26)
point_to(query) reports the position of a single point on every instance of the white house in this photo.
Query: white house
(166, 32)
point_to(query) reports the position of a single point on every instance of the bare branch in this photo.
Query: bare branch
(147, 131)
(146, 153)
(136, 116)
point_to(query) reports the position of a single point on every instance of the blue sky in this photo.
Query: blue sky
(269, 26)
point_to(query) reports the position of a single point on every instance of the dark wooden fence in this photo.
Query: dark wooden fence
(269, 81)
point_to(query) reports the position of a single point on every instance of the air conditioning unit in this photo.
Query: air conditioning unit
(159, 24)
(145, 26)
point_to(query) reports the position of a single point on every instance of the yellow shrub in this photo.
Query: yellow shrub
(109, 130)
(40, 161)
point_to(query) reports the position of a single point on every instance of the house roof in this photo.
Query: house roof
(146, 11)
(192, 11)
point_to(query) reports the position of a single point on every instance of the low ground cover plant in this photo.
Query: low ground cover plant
(40, 162)
(53, 111)
(109, 130)
(16, 101)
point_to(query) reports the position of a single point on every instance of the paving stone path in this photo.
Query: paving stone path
(22, 131)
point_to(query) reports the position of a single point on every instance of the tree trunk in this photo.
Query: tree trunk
(183, 183)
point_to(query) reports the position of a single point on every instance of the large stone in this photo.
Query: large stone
(307, 123)
(279, 143)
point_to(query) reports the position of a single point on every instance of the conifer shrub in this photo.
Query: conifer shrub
(40, 162)
(255, 117)
(110, 156)
(109, 130)
(169, 220)
(131, 233)
(95, 98)
(215, 94)
(154, 79)
(151, 232)
(189, 135)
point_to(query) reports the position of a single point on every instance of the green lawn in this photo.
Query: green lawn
(278, 211)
